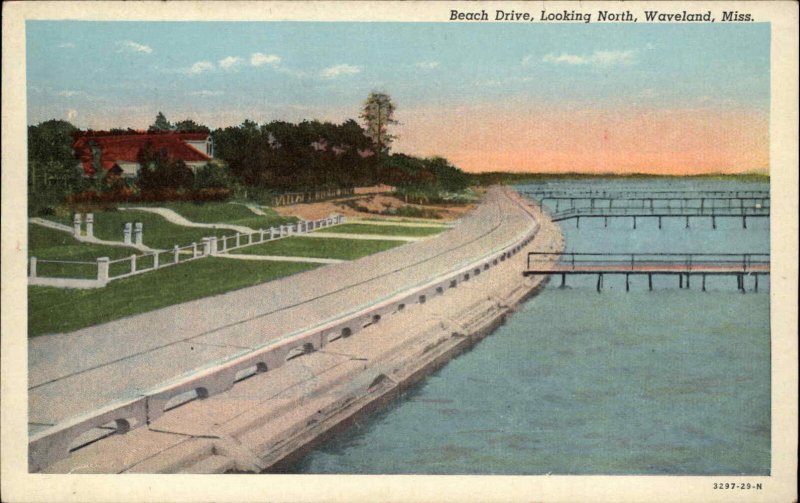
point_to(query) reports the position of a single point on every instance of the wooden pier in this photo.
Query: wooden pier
(682, 265)
(638, 212)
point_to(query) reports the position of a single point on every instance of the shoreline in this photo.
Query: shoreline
(308, 399)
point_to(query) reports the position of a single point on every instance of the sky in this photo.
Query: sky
(648, 98)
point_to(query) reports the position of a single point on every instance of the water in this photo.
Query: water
(663, 382)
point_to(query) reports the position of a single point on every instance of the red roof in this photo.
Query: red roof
(126, 147)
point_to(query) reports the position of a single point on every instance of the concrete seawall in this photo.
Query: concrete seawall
(270, 419)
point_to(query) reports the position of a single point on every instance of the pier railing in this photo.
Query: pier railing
(627, 194)
(710, 263)
(663, 211)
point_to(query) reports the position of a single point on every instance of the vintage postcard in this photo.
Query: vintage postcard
(399, 251)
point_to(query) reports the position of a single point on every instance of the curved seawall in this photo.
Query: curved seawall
(328, 346)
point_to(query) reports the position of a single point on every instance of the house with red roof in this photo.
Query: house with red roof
(119, 153)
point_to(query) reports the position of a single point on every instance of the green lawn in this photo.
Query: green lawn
(50, 244)
(344, 249)
(160, 233)
(157, 231)
(217, 212)
(59, 310)
(385, 230)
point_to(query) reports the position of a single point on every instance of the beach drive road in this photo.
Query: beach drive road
(75, 373)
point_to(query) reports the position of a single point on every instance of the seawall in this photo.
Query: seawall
(268, 421)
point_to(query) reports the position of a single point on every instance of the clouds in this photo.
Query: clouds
(206, 93)
(230, 62)
(259, 59)
(335, 71)
(134, 47)
(200, 67)
(427, 65)
(66, 93)
(597, 58)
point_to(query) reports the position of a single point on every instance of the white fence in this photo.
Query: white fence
(97, 274)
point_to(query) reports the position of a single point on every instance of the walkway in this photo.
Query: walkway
(369, 237)
(394, 223)
(252, 207)
(177, 219)
(74, 373)
(282, 258)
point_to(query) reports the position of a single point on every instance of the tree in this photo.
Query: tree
(159, 171)
(378, 115)
(190, 126)
(160, 125)
(51, 158)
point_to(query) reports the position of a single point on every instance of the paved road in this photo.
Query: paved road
(76, 372)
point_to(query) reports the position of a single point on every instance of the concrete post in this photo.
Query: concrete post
(133, 263)
(250, 239)
(90, 225)
(137, 233)
(206, 246)
(194, 250)
(213, 243)
(102, 270)
(283, 231)
(261, 234)
(175, 254)
(237, 240)
(76, 225)
(33, 268)
(126, 233)
(155, 260)
(271, 233)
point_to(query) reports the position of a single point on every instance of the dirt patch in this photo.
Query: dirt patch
(375, 205)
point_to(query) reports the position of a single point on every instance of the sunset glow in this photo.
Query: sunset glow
(666, 98)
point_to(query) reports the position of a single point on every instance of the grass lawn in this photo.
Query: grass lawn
(344, 249)
(217, 212)
(53, 309)
(160, 233)
(385, 230)
(157, 231)
(50, 244)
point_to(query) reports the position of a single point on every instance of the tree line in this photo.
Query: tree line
(278, 156)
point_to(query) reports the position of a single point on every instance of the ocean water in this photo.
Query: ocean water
(578, 382)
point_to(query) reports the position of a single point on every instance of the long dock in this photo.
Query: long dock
(682, 265)
(635, 213)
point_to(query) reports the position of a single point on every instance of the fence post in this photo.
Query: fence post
(155, 260)
(213, 242)
(283, 230)
(137, 233)
(90, 225)
(237, 240)
(33, 267)
(271, 233)
(194, 250)
(250, 238)
(76, 225)
(102, 270)
(175, 254)
(126, 233)
(133, 263)
(206, 246)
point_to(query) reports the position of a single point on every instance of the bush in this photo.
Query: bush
(126, 195)
(213, 176)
